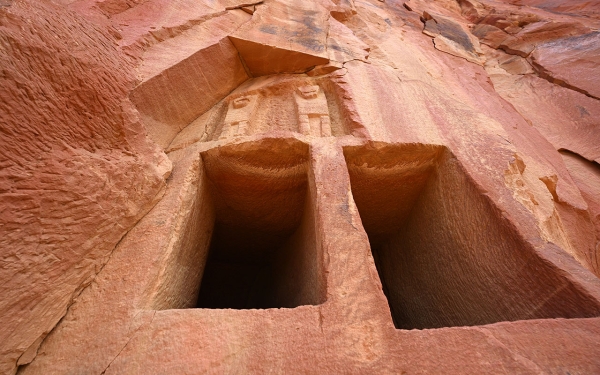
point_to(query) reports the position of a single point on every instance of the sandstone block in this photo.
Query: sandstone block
(283, 38)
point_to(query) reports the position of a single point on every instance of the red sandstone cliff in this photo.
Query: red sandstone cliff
(356, 187)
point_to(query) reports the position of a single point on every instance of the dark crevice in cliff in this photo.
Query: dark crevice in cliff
(592, 163)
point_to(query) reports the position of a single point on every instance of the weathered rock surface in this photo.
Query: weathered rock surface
(283, 37)
(571, 62)
(77, 171)
(356, 187)
(450, 37)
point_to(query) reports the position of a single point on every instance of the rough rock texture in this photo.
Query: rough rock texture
(283, 37)
(283, 186)
(77, 171)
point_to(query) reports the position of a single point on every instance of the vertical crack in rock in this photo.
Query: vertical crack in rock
(133, 334)
(78, 292)
(32, 351)
(320, 319)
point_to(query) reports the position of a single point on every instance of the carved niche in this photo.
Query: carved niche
(239, 116)
(313, 113)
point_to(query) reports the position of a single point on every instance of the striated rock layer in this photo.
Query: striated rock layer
(332, 186)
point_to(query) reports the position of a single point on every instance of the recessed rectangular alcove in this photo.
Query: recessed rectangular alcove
(445, 255)
(264, 251)
(243, 233)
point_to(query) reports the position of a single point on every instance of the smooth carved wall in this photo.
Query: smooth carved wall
(445, 255)
(250, 239)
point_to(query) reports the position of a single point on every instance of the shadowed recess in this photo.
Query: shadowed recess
(445, 255)
(264, 251)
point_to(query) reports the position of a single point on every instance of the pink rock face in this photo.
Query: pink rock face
(575, 7)
(77, 171)
(283, 37)
(299, 187)
(571, 62)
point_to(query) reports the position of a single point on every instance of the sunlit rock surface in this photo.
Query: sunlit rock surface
(285, 186)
